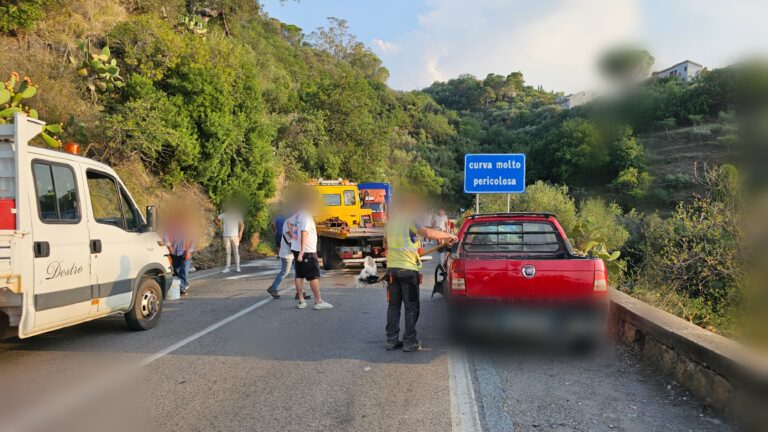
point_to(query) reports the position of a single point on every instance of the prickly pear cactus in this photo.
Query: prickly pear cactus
(13, 98)
(100, 70)
(194, 24)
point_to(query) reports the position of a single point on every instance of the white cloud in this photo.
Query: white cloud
(554, 43)
(386, 48)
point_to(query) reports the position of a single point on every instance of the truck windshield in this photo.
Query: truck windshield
(332, 199)
(377, 207)
(511, 237)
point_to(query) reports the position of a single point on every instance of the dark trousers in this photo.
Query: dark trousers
(402, 288)
(181, 269)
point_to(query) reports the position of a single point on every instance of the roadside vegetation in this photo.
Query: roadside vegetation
(209, 100)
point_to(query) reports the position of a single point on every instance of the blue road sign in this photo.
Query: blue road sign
(494, 173)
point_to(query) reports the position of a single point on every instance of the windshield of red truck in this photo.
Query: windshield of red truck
(511, 237)
(377, 207)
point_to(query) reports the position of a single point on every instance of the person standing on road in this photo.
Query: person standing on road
(427, 221)
(441, 221)
(179, 240)
(304, 247)
(283, 240)
(402, 241)
(231, 223)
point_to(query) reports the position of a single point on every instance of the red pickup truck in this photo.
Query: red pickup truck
(522, 263)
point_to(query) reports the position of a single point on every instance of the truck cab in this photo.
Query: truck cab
(376, 196)
(73, 244)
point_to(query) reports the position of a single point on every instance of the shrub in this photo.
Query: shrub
(697, 252)
(677, 181)
(631, 185)
(20, 14)
(694, 261)
(606, 217)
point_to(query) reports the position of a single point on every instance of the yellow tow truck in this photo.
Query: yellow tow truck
(345, 230)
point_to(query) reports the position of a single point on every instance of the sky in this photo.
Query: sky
(554, 43)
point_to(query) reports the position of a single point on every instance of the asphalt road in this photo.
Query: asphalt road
(227, 358)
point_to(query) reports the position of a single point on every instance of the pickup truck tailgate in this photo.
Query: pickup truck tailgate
(550, 279)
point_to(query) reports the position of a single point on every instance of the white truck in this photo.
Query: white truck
(73, 245)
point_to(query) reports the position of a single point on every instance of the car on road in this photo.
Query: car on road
(518, 273)
(73, 245)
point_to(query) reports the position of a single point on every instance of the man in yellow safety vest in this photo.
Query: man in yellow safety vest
(402, 242)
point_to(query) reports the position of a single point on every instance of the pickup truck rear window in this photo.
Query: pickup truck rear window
(511, 237)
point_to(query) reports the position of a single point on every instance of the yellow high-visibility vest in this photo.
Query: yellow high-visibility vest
(402, 252)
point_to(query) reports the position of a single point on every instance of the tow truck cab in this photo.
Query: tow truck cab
(73, 245)
(521, 262)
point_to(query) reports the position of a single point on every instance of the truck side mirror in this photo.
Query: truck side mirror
(151, 225)
(455, 250)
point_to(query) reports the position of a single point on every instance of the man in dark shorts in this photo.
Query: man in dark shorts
(304, 247)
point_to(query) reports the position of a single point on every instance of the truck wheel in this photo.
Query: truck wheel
(331, 260)
(147, 306)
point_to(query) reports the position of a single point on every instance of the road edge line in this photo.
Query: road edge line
(464, 414)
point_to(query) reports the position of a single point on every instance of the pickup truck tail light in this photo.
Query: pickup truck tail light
(458, 285)
(601, 281)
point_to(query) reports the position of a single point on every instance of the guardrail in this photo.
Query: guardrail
(722, 373)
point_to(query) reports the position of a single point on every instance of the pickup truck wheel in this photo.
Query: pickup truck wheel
(147, 306)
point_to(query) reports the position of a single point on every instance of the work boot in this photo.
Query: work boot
(273, 293)
(411, 347)
(393, 345)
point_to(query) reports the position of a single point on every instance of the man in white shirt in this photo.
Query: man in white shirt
(304, 247)
(231, 223)
(441, 221)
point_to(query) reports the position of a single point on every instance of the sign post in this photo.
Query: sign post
(494, 173)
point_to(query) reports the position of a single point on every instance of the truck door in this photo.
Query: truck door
(115, 247)
(62, 276)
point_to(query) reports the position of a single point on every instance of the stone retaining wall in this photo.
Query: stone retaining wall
(723, 374)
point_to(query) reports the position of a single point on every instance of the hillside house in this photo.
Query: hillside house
(575, 99)
(685, 70)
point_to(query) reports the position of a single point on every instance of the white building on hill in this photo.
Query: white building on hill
(575, 99)
(686, 71)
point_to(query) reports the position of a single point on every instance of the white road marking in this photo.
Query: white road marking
(464, 415)
(247, 275)
(164, 352)
(262, 262)
(82, 394)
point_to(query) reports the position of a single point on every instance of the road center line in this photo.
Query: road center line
(464, 416)
(164, 352)
(247, 275)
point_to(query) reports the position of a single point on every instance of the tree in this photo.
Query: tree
(626, 151)
(337, 41)
(626, 65)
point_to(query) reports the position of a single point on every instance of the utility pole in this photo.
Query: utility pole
(509, 197)
(477, 203)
